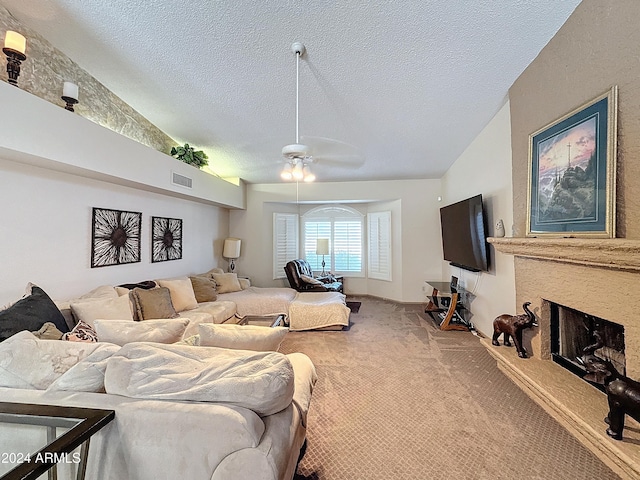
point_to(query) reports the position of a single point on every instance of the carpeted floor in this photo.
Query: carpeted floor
(398, 399)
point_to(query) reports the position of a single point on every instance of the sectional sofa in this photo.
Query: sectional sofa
(181, 411)
(202, 413)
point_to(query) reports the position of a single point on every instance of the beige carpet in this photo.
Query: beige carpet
(398, 399)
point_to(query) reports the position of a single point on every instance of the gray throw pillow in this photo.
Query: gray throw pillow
(31, 313)
(153, 304)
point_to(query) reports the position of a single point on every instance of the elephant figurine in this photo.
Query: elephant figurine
(623, 393)
(512, 326)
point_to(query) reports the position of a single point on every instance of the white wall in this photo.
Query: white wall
(485, 167)
(416, 248)
(45, 233)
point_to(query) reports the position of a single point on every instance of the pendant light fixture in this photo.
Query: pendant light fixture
(297, 155)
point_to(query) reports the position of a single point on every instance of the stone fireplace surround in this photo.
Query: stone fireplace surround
(600, 277)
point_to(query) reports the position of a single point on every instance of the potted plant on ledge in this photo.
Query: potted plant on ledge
(188, 155)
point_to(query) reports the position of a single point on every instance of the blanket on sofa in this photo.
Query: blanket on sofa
(260, 381)
(261, 300)
(313, 310)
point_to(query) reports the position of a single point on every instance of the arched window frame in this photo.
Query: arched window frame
(344, 227)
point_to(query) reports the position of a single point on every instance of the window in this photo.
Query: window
(344, 228)
(379, 266)
(285, 241)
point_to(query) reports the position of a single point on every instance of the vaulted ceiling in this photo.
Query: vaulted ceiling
(388, 89)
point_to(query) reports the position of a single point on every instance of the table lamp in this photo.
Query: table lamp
(231, 251)
(322, 248)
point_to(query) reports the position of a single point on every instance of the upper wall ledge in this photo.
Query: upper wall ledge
(615, 253)
(45, 135)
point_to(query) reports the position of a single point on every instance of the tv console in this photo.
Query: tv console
(446, 306)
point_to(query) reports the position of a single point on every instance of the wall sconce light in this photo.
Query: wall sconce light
(322, 248)
(70, 95)
(15, 46)
(231, 251)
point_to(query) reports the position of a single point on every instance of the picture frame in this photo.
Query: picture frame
(166, 239)
(115, 237)
(572, 170)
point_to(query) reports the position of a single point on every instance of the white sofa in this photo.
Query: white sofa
(254, 430)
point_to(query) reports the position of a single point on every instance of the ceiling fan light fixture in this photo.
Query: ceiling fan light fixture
(286, 172)
(309, 176)
(297, 172)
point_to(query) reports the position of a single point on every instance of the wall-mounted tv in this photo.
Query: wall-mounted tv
(464, 234)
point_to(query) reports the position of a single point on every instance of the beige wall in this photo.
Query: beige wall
(596, 48)
(485, 167)
(416, 247)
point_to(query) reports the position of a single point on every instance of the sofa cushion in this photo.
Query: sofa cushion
(103, 291)
(218, 312)
(154, 303)
(260, 381)
(204, 289)
(30, 313)
(27, 362)
(118, 308)
(182, 295)
(227, 282)
(158, 331)
(242, 337)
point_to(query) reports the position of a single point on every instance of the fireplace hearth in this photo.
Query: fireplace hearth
(599, 277)
(572, 331)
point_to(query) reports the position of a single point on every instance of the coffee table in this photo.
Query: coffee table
(265, 321)
(66, 429)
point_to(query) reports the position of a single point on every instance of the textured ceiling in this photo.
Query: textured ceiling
(388, 89)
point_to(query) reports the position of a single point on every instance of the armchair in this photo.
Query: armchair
(296, 269)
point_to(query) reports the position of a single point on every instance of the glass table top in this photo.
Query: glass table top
(34, 438)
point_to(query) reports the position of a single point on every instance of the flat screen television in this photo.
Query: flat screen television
(464, 234)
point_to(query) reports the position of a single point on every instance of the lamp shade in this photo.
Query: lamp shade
(322, 246)
(15, 41)
(231, 248)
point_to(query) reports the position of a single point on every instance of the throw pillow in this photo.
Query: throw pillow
(204, 289)
(244, 283)
(241, 337)
(48, 331)
(182, 295)
(30, 313)
(159, 331)
(82, 332)
(310, 280)
(227, 282)
(154, 303)
(103, 291)
(118, 308)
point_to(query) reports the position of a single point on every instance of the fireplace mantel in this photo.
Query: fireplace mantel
(615, 253)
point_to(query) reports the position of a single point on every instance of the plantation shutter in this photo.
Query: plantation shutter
(347, 245)
(379, 266)
(313, 230)
(285, 241)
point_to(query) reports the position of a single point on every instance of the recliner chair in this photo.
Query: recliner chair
(300, 267)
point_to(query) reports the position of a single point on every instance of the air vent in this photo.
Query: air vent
(181, 180)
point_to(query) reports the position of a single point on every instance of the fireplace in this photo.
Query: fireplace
(572, 331)
(594, 281)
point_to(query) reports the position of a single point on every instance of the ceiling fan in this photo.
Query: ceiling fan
(298, 155)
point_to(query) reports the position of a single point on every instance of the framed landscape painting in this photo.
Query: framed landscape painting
(572, 166)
